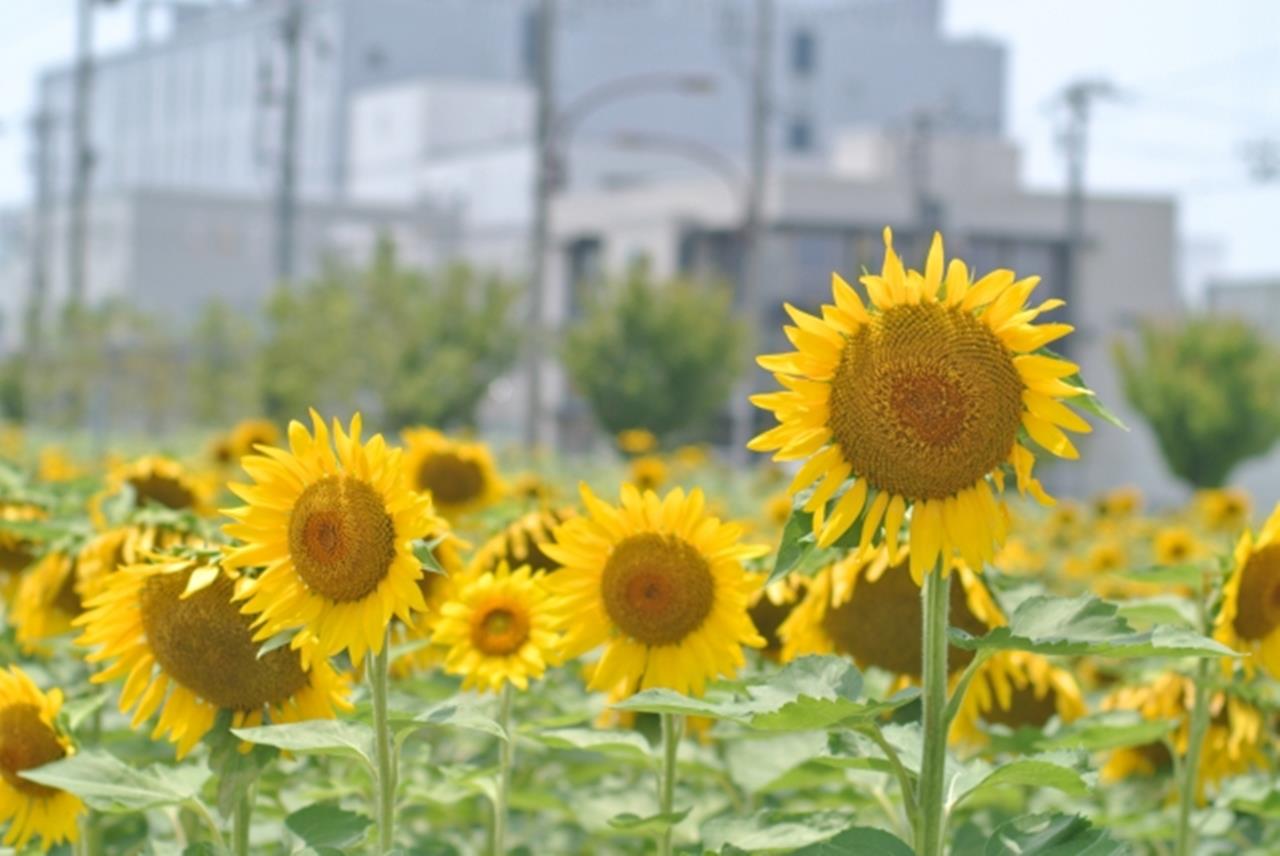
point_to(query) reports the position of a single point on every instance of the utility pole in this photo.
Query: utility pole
(920, 162)
(37, 296)
(753, 221)
(81, 158)
(287, 187)
(543, 182)
(1078, 98)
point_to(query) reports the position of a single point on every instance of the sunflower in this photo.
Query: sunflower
(155, 481)
(777, 509)
(1018, 558)
(636, 441)
(108, 551)
(1223, 510)
(1015, 689)
(54, 464)
(660, 584)
(17, 551)
(173, 629)
(498, 630)
(249, 434)
(531, 488)
(49, 598)
(521, 542)
(1120, 503)
(1233, 742)
(30, 738)
(648, 472)
(460, 477)
(1175, 545)
(921, 399)
(1249, 620)
(771, 604)
(335, 535)
(868, 608)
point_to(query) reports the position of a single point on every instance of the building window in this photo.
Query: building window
(800, 135)
(803, 53)
(529, 44)
(586, 267)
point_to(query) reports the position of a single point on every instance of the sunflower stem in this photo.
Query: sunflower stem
(506, 760)
(379, 675)
(1190, 768)
(240, 823)
(672, 725)
(930, 811)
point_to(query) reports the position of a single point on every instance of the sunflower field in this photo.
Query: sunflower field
(884, 636)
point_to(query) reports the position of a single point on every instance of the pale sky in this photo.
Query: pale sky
(1199, 80)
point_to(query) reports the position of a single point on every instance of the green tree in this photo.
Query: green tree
(1210, 390)
(221, 366)
(660, 356)
(407, 346)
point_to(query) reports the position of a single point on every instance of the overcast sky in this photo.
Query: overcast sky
(1199, 81)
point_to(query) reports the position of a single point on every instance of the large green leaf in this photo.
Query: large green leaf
(1052, 835)
(1098, 732)
(315, 737)
(620, 744)
(460, 712)
(327, 825)
(107, 784)
(773, 830)
(1086, 625)
(858, 840)
(976, 777)
(797, 540)
(651, 825)
(809, 693)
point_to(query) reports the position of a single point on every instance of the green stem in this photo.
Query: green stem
(240, 823)
(672, 725)
(962, 686)
(199, 810)
(506, 760)
(899, 771)
(379, 674)
(1190, 768)
(931, 814)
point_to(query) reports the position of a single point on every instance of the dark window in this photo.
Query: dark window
(529, 47)
(803, 53)
(800, 135)
(585, 271)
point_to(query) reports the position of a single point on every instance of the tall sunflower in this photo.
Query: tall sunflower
(921, 398)
(30, 738)
(868, 607)
(460, 477)
(660, 584)
(174, 631)
(498, 630)
(158, 482)
(1015, 689)
(334, 533)
(1249, 620)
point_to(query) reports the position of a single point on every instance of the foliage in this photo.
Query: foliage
(1210, 390)
(222, 356)
(659, 356)
(405, 346)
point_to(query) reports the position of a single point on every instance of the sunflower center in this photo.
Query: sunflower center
(1258, 607)
(15, 555)
(161, 490)
(767, 617)
(449, 479)
(205, 643)
(67, 600)
(341, 539)
(925, 401)
(881, 622)
(657, 589)
(26, 742)
(499, 631)
(1025, 710)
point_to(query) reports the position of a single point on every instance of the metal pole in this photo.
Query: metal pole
(287, 190)
(81, 157)
(543, 181)
(753, 226)
(41, 126)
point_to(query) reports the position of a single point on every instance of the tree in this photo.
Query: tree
(221, 367)
(1210, 390)
(659, 356)
(405, 346)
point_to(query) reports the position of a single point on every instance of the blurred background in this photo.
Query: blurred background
(548, 221)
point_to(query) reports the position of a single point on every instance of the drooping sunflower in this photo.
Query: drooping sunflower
(17, 551)
(334, 533)
(521, 542)
(1234, 742)
(173, 630)
(498, 630)
(49, 598)
(1249, 620)
(460, 477)
(1015, 689)
(30, 738)
(921, 398)
(156, 481)
(660, 584)
(868, 608)
(771, 604)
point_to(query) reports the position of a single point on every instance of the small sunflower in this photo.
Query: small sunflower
(460, 477)
(1176, 545)
(532, 488)
(521, 542)
(1249, 620)
(1015, 689)
(17, 551)
(155, 481)
(648, 472)
(922, 399)
(249, 434)
(54, 464)
(498, 630)
(777, 509)
(335, 534)
(174, 631)
(50, 596)
(1118, 504)
(771, 604)
(1018, 558)
(637, 441)
(30, 738)
(109, 551)
(868, 608)
(1224, 510)
(660, 584)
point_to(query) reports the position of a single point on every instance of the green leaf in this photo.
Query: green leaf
(77, 710)
(648, 825)
(315, 737)
(814, 692)
(109, 785)
(1052, 835)
(1096, 733)
(1158, 612)
(425, 553)
(276, 642)
(858, 840)
(1086, 625)
(774, 830)
(1090, 404)
(327, 825)
(797, 540)
(461, 713)
(979, 777)
(621, 744)
(1171, 575)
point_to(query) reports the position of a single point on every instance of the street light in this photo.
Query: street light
(691, 149)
